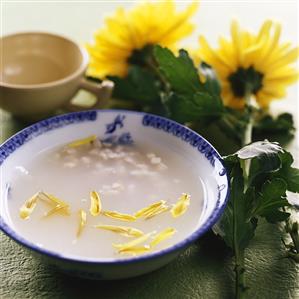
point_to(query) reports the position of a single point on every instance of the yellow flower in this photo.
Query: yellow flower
(129, 32)
(252, 63)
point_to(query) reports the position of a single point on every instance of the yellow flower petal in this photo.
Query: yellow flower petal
(82, 221)
(125, 246)
(95, 203)
(181, 206)
(145, 211)
(119, 216)
(236, 40)
(163, 235)
(157, 211)
(136, 250)
(123, 230)
(83, 141)
(28, 206)
(55, 201)
(58, 209)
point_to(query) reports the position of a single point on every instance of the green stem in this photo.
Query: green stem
(248, 132)
(295, 236)
(240, 277)
(292, 228)
(240, 286)
(151, 64)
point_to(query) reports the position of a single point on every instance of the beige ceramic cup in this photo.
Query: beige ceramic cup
(41, 72)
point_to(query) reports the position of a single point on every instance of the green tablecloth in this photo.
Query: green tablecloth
(205, 270)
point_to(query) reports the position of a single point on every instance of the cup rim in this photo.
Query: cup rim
(31, 132)
(71, 76)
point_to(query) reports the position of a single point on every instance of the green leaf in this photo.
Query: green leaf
(140, 85)
(179, 72)
(211, 84)
(190, 108)
(271, 199)
(277, 216)
(261, 167)
(279, 129)
(186, 98)
(289, 174)
(234, 226)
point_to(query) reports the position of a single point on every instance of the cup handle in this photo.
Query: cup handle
(102, 91)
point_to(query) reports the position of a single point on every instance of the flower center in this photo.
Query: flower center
(245, 81)
(141, 56)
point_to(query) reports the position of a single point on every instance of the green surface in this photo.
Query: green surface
(205, 270)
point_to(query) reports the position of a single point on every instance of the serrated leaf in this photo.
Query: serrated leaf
(277, 216)
(289, 174)
(271, 198)
(234, 226)
(279, 129)
(268, 123)
(190, 108)
(140, 86)
(179, 72)
(261, 167)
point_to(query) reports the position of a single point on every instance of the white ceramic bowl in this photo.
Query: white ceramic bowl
(124, 127)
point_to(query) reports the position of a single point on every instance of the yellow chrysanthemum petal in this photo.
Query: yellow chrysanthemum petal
(61, 209)
(265, 29)
(59, 206)
(95, 203)
(28, 207)
(123, 230)
(119, 216)
(132, 244)
(157, 211)
(83, 141)
(181, 206)
(82, 221)
(147, 210)
(136, 250)
(235, 34)
(162, 236)
(286, 79)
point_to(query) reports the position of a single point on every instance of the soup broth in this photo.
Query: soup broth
(126, 177)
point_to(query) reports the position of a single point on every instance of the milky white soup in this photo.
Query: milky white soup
(127, 178)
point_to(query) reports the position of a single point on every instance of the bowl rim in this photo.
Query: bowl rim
(214, 216)
(76, 73)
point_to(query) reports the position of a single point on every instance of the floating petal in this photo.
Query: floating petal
(80, 142)
(163, 235)
(95, 203)
(57, 209)
(181, 206)
(119, 216)
(157, 211)
(132, 244)
(82, 221)
(28, 207)
(123, 230)
(136, 250)
(147, 210)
